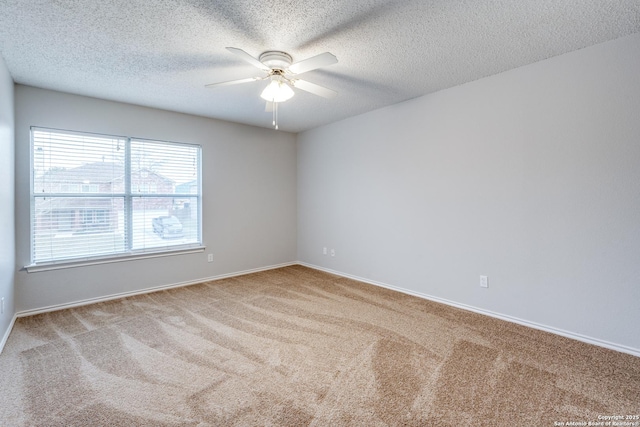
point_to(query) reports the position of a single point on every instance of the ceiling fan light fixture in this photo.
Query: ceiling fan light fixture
(282, 74)
(277, 91)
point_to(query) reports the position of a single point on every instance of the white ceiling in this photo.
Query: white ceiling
(161, 53)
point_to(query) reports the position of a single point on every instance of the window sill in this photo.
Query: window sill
(60, 265)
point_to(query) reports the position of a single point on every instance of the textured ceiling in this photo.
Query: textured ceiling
(161, 53)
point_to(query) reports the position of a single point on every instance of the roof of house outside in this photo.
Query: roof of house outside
(98, 172)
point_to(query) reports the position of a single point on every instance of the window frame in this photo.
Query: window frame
(128, 196)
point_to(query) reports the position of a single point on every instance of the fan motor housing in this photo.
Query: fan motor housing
(275, 59)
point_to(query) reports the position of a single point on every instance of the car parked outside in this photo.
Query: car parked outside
(167, 227)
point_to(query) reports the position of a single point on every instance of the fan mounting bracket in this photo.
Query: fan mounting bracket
(275, 59)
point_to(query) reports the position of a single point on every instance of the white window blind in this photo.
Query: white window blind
(96, 196)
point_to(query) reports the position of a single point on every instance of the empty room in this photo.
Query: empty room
(286, 213)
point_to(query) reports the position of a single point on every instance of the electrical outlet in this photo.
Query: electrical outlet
(333, 252)
(210, 258)
(484, 282)
(324, 250)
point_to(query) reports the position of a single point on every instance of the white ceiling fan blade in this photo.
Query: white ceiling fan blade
(312, 63)
(233, 82)
(314, 88)
(250, 59)
(268, 108)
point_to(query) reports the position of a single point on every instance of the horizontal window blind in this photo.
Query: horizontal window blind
(97, 196)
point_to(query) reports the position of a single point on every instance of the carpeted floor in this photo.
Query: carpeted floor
(298, 347)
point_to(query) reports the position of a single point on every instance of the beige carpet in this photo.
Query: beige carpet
(298, 347)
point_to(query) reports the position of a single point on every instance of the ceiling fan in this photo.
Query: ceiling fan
(278, 68)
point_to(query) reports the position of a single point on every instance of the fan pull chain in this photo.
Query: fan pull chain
(274, 113)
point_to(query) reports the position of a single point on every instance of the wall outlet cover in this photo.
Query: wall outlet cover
(484, 282)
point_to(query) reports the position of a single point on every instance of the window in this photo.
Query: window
(96, 196)
(69, 188)
(90, 188)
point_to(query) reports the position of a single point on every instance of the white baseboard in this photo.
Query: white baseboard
(64, 306)
(7, 332)
(534, 325)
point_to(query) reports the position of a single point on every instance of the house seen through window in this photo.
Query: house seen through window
(96, 196)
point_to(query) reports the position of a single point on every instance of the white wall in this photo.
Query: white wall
(249, 197)
(531, 177)
(7, 201)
